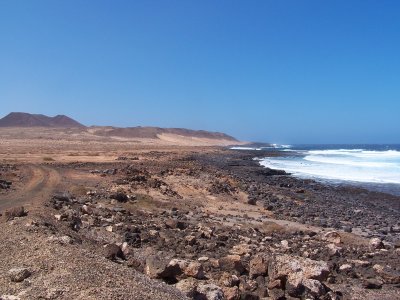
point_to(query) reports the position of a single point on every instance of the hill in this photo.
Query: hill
(157, 132)
(33, 125)
(20, 119)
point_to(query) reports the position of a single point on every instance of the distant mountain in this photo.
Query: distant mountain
(20, 119)
(155, 132)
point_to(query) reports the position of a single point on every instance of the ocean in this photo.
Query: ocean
(376, 167)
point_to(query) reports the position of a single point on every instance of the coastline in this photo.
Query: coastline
(216, 210)
(315, 195)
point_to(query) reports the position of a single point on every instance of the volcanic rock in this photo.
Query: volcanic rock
(231, 263)
(258, 266)
(372, 284)
(15, 212)
(18, 274)
(112, 252)
(209, 292)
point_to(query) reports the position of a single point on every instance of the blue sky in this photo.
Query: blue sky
(279, 71)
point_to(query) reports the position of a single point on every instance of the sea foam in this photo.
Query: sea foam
(356, 165)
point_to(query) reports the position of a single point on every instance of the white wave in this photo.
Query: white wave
(277, 146)
(357, 153)
(244, 148)
(348, 161)
(343, 164)
(273, 146)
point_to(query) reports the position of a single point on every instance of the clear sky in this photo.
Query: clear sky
(280, 71)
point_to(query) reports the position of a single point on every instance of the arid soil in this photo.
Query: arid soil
(137, 220)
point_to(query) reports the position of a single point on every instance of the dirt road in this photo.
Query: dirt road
(42, 182)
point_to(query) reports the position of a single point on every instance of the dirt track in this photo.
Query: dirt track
(42, 181)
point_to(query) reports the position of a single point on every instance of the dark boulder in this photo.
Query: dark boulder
(119, 196)
(113, 252)
(15, 212)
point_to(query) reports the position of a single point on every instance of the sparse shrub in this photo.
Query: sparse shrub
(48, 158)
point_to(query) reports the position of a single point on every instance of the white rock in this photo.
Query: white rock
(203, 258)
(345, 267)
(65, 239)
(333, 249)
(332, 237)
(376, 243)
(297, 267)
(9, 297)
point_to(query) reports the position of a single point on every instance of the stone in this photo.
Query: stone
(262, 288)
(59, 217)
(65, 239)
(360, 263)
(206, 232)
(203, 259)
(347, 229)
(18, 274)
(210, 292)
(157, 267)
(334, 250)
(376, 243)
(231, 293)
(62, 197)
(86, 209)
(190, 240)
(241, 249)
(345, 267)
(258, 266)
(285, 244)
(294, 287)
(302, 276)
(283, 266)
(313, 288)
(195, 270)
(276, 294)
(113, 251)
(188, 287)
(229, 280)
(15, 212)
(119, 196)
(135, 264)
(389, 275)
(231, 263)
(275, 284)
(133, 239)
(125, 248)
(9, 297)
(332, 237)
(252, 201)
(189, 268)
(4, 184)
(249, 296)
(175, 224)
(372, 284)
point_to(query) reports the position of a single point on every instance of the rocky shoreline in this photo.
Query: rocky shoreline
(214, 224)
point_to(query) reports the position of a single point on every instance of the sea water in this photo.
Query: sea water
(372, 166)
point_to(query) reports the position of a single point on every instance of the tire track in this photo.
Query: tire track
(42, 183)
